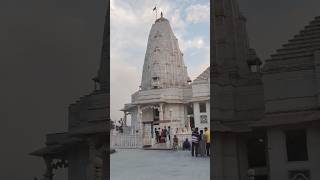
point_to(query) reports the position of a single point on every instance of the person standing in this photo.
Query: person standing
(162, 139)
(156, 135)
(175, 142)
(202, 144)
(165, 131)
(159, 132)
(168, 133)
(186, 145)
(195, 142)
(207, 139)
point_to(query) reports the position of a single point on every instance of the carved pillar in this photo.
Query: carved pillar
(317, 73)
(91, 159)
(140, 119)
(161, 115)
(48, 174)
(104, 163)
(125, 118)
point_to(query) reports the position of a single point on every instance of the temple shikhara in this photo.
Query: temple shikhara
(167, 98)
(266, 121)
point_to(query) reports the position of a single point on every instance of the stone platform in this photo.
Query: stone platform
(137, 164)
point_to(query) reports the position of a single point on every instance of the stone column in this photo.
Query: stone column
(91, 159)
(140, 119)
(141, 125)
(161, 115)
(105, 167)
(125, 118)
(317, 73)
(48, 174)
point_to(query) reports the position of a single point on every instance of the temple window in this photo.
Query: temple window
(156, 115)
(203, 107)
(189, 109)
(256, 151)
(296, 143)
(155, 82)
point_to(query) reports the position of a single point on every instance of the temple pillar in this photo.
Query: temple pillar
(125, 118)
(104, 162)
(48, 174)
(91, 152)
(317, 74)
(140, 119)
(161, 115)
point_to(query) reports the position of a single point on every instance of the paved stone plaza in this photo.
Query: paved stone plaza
(158, 165)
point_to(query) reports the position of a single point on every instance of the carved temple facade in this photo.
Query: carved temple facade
(266, 122)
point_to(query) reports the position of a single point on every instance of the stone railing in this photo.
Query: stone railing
(123, 141)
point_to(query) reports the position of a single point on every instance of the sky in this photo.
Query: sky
(50, 50)
(131, 21)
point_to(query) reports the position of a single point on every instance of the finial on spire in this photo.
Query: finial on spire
(155, 9)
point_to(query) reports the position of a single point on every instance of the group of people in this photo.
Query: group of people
(200, 142)
(162, 135)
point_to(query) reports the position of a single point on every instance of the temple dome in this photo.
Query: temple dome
(163, 64)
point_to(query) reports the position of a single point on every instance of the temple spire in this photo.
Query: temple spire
(102, 76)
(163, 64)
(230, 37)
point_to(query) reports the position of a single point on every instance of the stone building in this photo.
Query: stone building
(166, 96)
(83, 148)
(265, 123)
(201, 100)
(292, 116)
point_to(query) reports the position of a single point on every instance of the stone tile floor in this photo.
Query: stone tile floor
(135, 164)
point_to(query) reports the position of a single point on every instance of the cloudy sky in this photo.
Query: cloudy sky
(131, 21)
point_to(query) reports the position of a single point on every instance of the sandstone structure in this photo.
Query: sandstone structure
(265, 121)
(83, 148)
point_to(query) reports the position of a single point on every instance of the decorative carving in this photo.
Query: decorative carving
(299, 175)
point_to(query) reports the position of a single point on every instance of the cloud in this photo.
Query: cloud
(197, 43)
(198, 13)
(198, 68)
(125, 80)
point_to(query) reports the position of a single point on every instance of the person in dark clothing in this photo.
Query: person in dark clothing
(195, 142)
(165, 131)
(168, 133)
(157, 134)
(186, 145)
